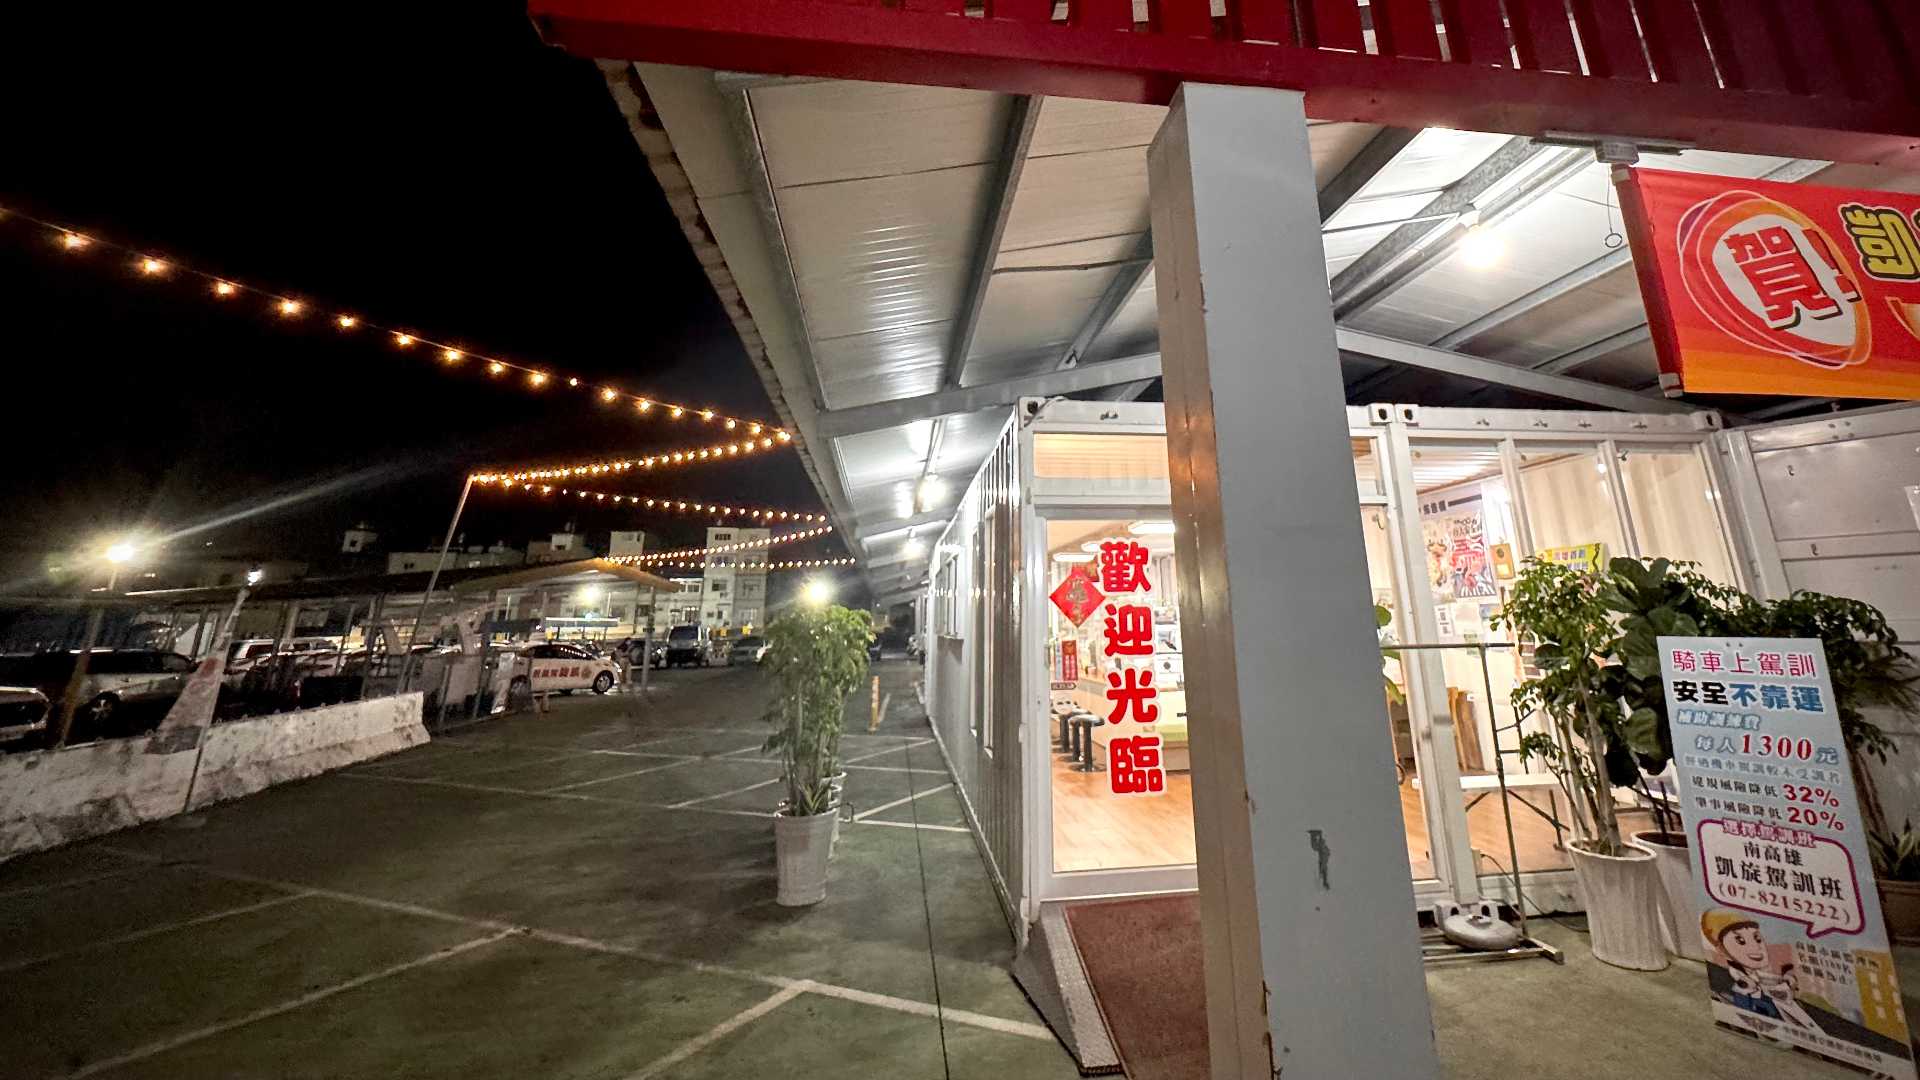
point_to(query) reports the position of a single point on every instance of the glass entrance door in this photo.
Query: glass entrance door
(1098, 838)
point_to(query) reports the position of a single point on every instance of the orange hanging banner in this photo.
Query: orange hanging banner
(1754, 287)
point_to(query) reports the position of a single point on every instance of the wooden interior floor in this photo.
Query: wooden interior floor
(1093, 829)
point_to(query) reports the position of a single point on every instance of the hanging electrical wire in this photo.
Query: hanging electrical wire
(661, 459)
(790, 564)
(663, 504)
(718, 549)
(288, 306)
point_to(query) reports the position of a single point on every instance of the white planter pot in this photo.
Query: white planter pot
(802, 847)
(1679, 922)
(1622, 893)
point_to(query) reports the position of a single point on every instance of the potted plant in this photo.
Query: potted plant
(1590, 749)
(816, 657)
(1896, 862)
(1654, 598)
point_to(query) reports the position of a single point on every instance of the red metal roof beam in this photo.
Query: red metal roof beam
(1830, 80)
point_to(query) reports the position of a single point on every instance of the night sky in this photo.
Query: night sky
(448, 172)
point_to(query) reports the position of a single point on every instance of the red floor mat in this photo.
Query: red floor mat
(1143, 958)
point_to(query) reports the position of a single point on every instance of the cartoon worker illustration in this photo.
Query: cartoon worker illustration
(1758, 987)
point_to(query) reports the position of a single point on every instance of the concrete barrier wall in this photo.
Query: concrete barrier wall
(250, 755)
(53, 797)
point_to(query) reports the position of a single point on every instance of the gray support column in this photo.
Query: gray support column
(1312, 953)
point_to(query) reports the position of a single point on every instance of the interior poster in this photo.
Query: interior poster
(1458, 561)
(1784, 891)
(1755, 287)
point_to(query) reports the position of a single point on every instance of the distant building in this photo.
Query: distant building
(558, 547)
(358, 540)
(496, 554)
(630, 542)
(734, 583)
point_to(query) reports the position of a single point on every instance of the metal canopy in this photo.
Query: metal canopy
(905, 263)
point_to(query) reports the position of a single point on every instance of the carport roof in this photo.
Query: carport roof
(903, 263)
(456, 579)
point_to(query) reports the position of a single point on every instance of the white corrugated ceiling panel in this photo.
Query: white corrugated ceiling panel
(1435, 159)
(884, 252)
(1135, 328)
(822, 132)
(1607, 306)
(968, 439)
(1029, 311)
(1556, 235)
(1335, 145)
(904, 361)
(874, 458)
(1633, 367)
(1078, 197)
(1080, 125)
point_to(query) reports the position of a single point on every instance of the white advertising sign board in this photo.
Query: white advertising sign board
(1783, 886)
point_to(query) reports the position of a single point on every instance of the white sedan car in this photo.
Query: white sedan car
(557, 667)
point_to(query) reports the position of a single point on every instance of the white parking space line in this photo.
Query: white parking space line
(489, 771)
(710, 798)
(913, 825)
(622, 776)
(720, 1031)
(459, 785)
(575, 941)
(153, 931)
(921, 1008)
(176, 1041)
(889, 750)
(645, 754)
(870, 811)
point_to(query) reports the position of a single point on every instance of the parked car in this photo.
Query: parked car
(125, 690)
(747, 649)
(689, 643)
(561, 667)
(23, 716)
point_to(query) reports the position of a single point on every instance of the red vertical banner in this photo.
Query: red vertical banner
(1134, 766)
(1755, 287)
(1069, 661)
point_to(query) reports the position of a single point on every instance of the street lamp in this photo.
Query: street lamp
(117, 554)
(818, 592)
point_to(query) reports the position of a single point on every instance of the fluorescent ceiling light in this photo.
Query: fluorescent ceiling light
(1482, 249)
(1151, 528)
(1072, 557)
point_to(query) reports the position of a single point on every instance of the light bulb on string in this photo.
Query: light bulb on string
(288, 307)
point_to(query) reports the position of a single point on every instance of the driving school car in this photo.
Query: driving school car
(557, 668)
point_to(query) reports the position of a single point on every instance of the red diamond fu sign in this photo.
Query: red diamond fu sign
(1078, 596)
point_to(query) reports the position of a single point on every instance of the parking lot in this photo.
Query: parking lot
(582, 893)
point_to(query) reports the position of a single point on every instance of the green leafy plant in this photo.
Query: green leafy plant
(816, 657)
(1864, 660)
(1653, 598)
(1381, 617)
(1614, 688)
(1592, 746)
(1896, 856)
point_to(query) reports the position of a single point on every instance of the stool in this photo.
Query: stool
(1064, 745)
(1083, 725)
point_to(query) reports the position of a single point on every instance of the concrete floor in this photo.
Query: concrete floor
(589, 893)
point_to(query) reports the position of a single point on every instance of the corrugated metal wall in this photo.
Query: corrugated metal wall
(974, 665)
(1833, 505)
